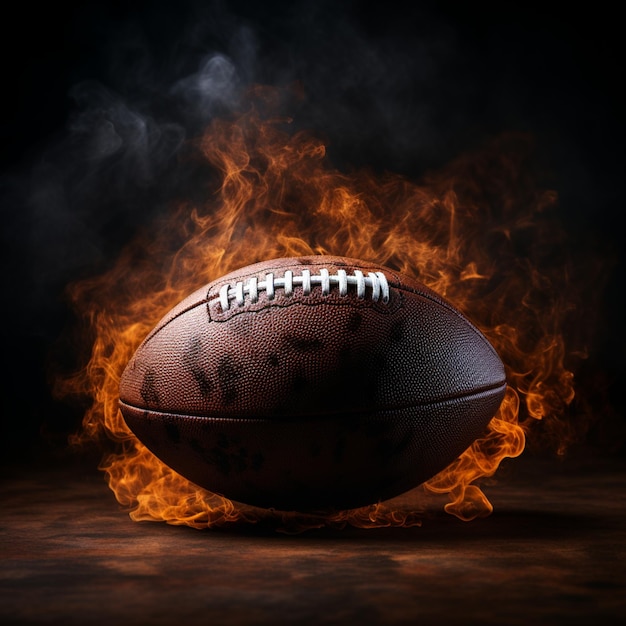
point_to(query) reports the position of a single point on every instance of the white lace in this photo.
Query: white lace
(376, 281)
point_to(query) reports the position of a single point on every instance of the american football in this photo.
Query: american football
(312, 384)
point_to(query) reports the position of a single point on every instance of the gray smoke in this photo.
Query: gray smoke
(214, 88)
(115, 167)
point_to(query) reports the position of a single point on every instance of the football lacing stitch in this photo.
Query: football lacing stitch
(375, 281)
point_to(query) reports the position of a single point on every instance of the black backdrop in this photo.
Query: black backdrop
(394, 87)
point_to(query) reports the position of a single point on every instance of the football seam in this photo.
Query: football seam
(270, 304)
(206, 300)
(430, 297)
(250, 288)
(496, 387)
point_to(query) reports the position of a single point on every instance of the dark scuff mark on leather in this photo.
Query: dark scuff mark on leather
(149, 388)
(302, 344)
(193, 361)
(228, 374)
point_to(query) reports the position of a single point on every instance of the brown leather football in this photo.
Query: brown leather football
(312, 383)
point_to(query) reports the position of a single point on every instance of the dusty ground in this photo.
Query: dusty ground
(553, 552)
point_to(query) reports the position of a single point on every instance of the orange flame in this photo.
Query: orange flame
(479, 232)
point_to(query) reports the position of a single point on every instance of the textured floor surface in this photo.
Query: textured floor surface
(553, 552)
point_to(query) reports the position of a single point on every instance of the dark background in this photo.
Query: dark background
(392, 87)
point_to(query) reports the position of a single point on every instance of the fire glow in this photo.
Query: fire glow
(478, 232)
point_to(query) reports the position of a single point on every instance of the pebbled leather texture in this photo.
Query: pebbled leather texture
(312, 401)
